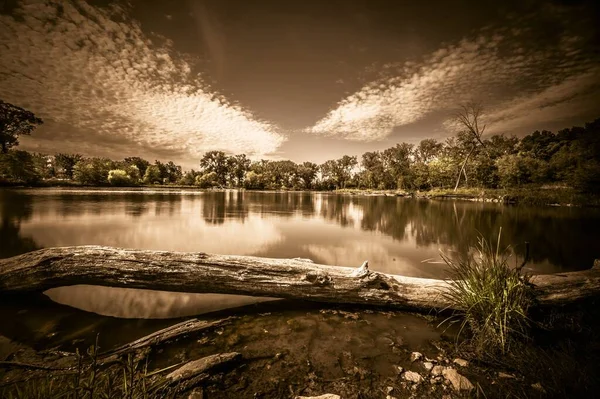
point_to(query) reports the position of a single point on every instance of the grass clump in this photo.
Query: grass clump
(128, 377)
(494, 297)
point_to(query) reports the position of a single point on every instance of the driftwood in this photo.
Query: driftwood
(228, 274)
(173, 332)
(188, 374)
(197, 371)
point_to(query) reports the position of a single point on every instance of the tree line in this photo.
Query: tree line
(569, 157)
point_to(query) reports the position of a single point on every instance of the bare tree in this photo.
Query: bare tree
(469, 118)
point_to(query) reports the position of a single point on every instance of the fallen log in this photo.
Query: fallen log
(246, 275)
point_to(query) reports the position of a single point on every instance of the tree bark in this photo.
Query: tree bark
(246, 275)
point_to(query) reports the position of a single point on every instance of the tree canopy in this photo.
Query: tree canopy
(15, 121)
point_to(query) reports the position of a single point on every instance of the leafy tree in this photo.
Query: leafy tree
(44, 165)
(207, 180)
(152, 175)
(119, 177)
(65, 163)
(19, 167)
(516, 170)
(15, 121)
(92, 171)
(140, 163)
(215, 161)
(307, 173)
(397, 162)
(174, 172)
(163, 171)
(254, 181)
(133, 173)
(421, 176)
(373, 170)
(237, 166)
(188, 178)
(428, 150)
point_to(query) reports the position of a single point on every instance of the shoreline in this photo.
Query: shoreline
(531, 196)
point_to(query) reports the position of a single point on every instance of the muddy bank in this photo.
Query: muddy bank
(293, 349)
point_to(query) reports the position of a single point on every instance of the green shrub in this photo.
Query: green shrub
(206, 180)
(494, 298)
(119, 177)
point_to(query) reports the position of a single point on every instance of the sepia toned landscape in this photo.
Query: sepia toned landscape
(317, 199)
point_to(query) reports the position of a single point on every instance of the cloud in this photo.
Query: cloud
(497, 67)
(95, 70)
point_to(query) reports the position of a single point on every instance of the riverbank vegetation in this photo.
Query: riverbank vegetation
(494, 297)
(566, 162)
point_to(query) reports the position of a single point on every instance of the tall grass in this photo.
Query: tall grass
(494, 297)
(128, 378)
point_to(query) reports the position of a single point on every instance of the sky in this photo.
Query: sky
(306, 80)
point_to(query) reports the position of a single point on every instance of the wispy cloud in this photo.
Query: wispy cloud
(95, 70)
(498, 67)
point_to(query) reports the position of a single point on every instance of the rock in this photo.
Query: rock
(428, 365)
(505, 375)
(389, 390)
(412, 377)
(400, 369)
(416, 356)
(390, 397)
(459, 382)
(461, 362)
(537, 386)
(437, 370)
(324, 396)
(197, 393)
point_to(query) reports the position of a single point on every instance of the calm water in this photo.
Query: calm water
(396, 235)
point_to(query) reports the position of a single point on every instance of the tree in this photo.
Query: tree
(66, 162)
(373, 174)
(119, 177)
(174, 172)
(152, 175)
(428, 150)
(15, 121)
(92, 171)
(188, 178)
(18, 166)
(339, 171)
(215, 161)
(237, 166)
(44, 165)
(307, 173)
(254, 181)
(207, 180)
(140, 163)
(397, 161)
(469, 118)
(133, 173)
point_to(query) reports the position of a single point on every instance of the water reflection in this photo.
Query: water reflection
(14, 209)
(396, 235)
(146, 304)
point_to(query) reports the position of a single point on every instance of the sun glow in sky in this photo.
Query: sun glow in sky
(304, 81)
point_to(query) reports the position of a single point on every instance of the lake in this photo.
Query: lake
(396, 235)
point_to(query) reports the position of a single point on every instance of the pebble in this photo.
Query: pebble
(459, 382)
(412, 377)
(416, 356)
